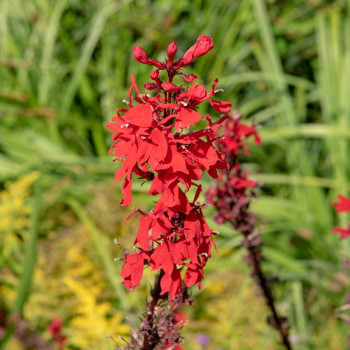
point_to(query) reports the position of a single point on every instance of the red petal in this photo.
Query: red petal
(194, 274)
(160, 148)
(178, 162)
(119, 174)
(170, 87)
(142, 236)
(171, 283)
(126, 192)
(162, 259)
(343, 232)
(189, 78)
(132, 270)
(140, 115)
(343, 205)
(186, 117)
(221, 106)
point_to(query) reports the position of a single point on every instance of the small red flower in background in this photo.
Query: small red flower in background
(55, 329)
(342, 206)
(231, 195)
(154, 141)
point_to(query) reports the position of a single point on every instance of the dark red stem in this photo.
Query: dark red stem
(251, 242)
(155, 294)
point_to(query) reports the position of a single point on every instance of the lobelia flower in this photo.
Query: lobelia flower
(342, 206)
(231, 197)
(55, 329)
(153, 140)
(233, 190)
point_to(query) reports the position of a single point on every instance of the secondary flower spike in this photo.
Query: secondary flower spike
(154, 141)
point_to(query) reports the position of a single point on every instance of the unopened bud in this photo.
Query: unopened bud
(171, 50)
(140, 55)
(154, 74)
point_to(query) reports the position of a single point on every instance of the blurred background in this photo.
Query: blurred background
(65, 68)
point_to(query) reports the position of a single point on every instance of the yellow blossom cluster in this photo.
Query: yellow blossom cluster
(14, 214)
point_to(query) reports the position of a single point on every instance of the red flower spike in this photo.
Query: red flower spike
(152, 140)
(231, 196)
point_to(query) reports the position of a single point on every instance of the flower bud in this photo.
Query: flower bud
(150, 86)
(140, 55)
(154, 75)
(170, 87)
(171, 51)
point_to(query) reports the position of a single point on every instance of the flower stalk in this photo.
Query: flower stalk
(154, 140)
(232, 199)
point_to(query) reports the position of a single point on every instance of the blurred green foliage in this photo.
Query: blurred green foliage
(64, 69)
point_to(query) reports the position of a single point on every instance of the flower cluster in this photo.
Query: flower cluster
(342, 206)
(231, 196)
(154, 141)
(231, 199)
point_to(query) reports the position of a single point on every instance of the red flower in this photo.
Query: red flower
(55, 329)
(235, 135)
(152, 140)
(231, 195)
(343, 232)
(132, 270)
(342, 206)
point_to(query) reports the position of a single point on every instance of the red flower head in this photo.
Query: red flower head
(55, 329)
(342, 206)
(231, 195)
(153, 140)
